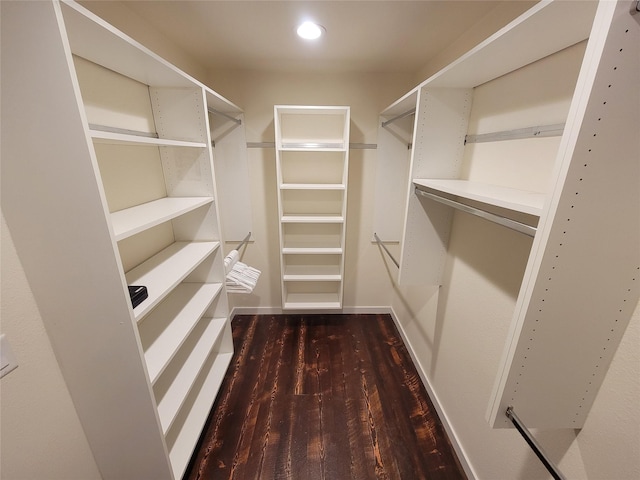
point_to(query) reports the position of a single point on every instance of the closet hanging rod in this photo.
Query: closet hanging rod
(225, 115)
(492, 217)
(537, 449)
(246, 239)
(379, 242)
(352, 146)
(554, 130)
(398, 117)
(125, 131)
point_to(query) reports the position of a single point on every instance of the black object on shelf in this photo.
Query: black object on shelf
(137, 294)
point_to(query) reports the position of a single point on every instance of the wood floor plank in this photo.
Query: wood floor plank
(327, 397)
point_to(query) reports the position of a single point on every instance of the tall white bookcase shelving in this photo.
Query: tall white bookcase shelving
(312, 158)
(108, 181)
(582, 277)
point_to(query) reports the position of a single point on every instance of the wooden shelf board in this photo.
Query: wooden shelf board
(162, 272)
(177, 380)
(517, 200)
(166, 328)
(141, 217)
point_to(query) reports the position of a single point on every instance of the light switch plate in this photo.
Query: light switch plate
(9, 362)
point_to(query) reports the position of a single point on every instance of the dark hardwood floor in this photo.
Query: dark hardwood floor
(327, 397)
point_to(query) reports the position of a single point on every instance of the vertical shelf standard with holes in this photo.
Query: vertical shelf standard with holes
(113, 168)
(312, 158)
(490, 138)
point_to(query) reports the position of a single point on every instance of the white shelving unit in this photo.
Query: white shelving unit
(116, 159)
(576, 194)
(312, 154)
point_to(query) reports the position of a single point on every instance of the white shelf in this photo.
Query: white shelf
(312, 196)
(311, 272)
(165, 329)
(546, 28)
(312, 219)
(162, 272)
(100, 136)
(141, 217)
(94, 39)
(174, 384)
(312, 186)
(312, 277)
(513, 199)
(310, 301)
(186, 439)
(302, 250)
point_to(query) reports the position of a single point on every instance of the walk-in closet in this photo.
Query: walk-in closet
(405, 245)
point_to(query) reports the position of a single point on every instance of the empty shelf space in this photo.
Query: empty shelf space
(304, 301)
(187, 427)
(517, 200)
(314, 204)
(141, 217)
(92, 38)
(301, 127)
(312, 167)
(121, 138)
(165, 329)
(176, 381)
(162, 272)
(309, 268)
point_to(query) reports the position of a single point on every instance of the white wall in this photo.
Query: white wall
(41, 436)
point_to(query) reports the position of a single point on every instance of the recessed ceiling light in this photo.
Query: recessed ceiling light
(310, 30)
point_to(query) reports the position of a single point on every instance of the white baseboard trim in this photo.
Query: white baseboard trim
(278, 311)
(457, 446)
(423, 376)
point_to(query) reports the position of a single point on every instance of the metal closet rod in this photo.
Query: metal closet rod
(125, 131)
(225, 115)
(379, 242)
(398, 117)
(535, 446)
(246, 239)
(492, 217)
(554, 130)
(352, 146)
